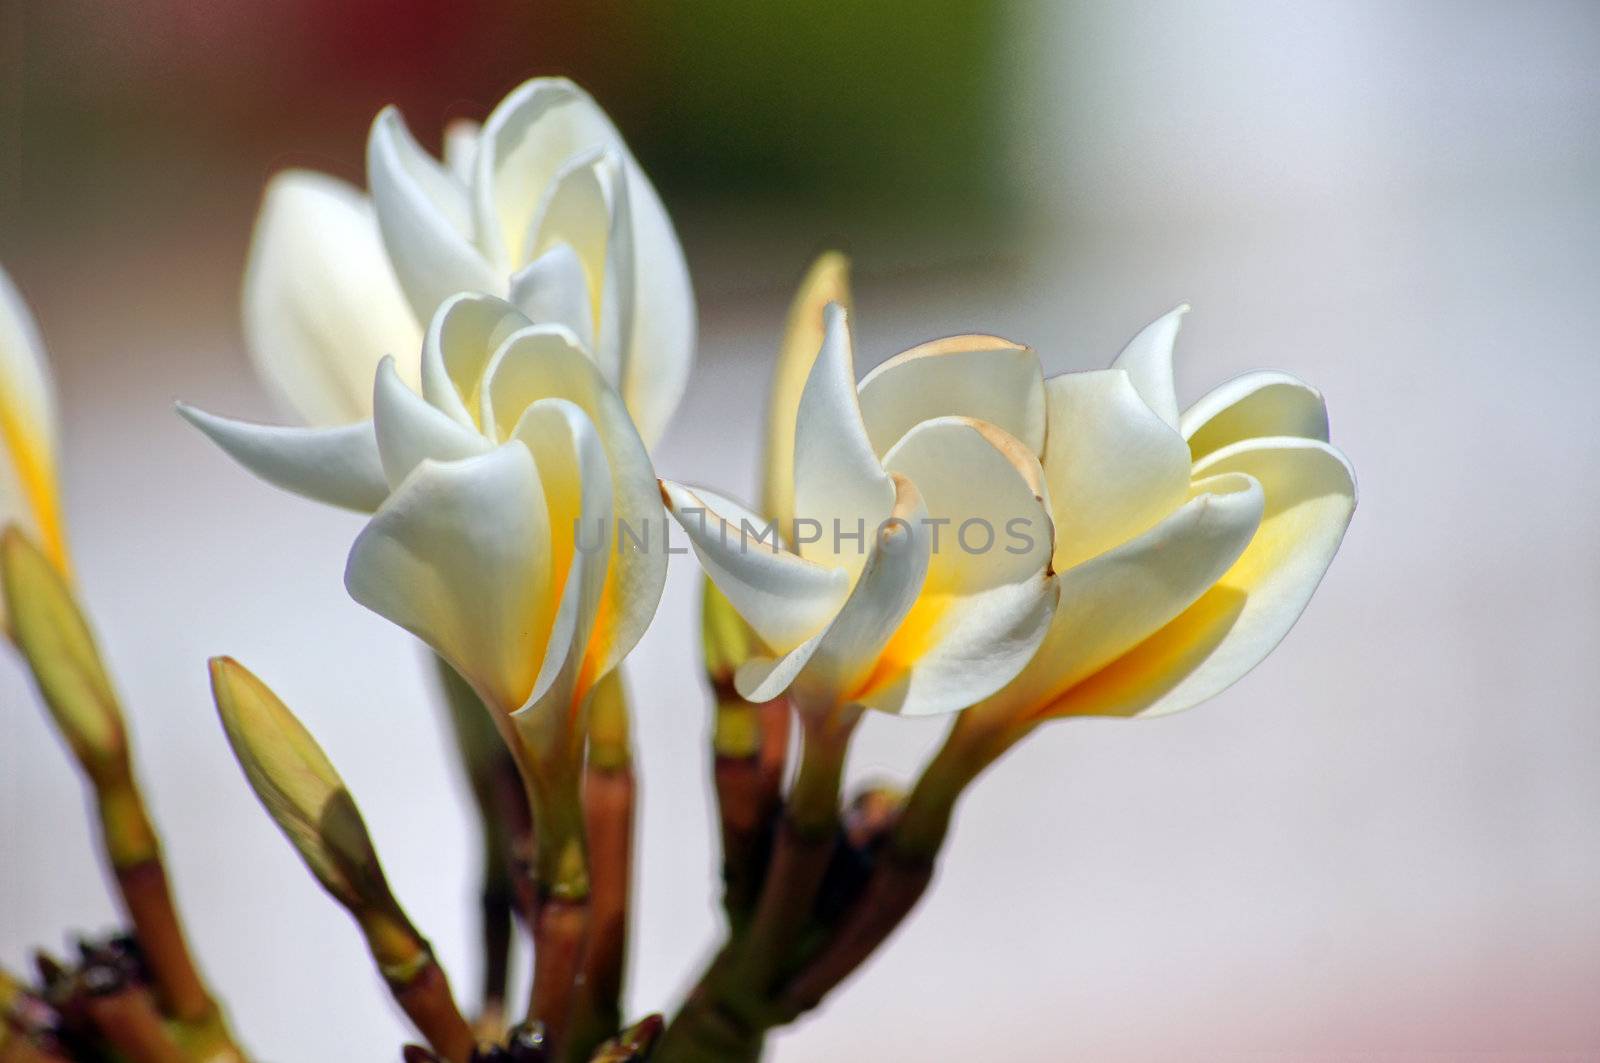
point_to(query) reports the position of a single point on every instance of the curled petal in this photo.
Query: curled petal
(321, 303)
(1112, 602)
(839, 481)
(827, 281)
(530, 136)
(339, 466)
(983, 492)
(545, 362)
(29, 494)
(784, 597)
(553, 289)
(459, 556)
(1113, 467)
(425, 218)
(982, 377)
(462, 337)
(410, 431)
(578, 492)
(1252, 406)
(1310, 496)
(1147, 359)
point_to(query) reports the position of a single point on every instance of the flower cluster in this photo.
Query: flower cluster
(481, 352)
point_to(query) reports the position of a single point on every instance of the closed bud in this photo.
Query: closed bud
(53, 635)
(299, 788)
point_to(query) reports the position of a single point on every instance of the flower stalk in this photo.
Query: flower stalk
(49, 628)
(306, 798)
(609, 796)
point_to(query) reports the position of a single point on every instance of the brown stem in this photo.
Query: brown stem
(560, 926)
(19, 1048)
(129, 1022)
(425, 997)
(148, 900)
(609, 795)
(892, 891)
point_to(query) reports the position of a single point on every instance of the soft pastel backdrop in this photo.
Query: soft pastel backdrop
(1381, 845)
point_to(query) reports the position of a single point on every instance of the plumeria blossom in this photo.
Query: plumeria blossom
(482, 485)
(29, 496)
(1187, 543)
(544, 206)
(875, 602)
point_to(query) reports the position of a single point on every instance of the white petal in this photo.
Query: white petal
(553, 289)
(839, 481)
(459, 556)
(545, 362)
(988, 596)
(575, 211)
(785, 598)
(660, 341)
(950, 654)
(983, 487)
(339, 466)
(425, 218)
(1112, 602)
(617, 303)
(461, 149)
(840, 664)
(1113, 467)
(321, 304)
(1310, 496)
(29, 494)
(410, 431)
(1258, 404)
(827, 281)
(577, 487)
(1147, 359)
(463, 335)
(530, 136)
(983, 377)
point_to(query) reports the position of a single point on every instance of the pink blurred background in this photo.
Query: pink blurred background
(1380, 845)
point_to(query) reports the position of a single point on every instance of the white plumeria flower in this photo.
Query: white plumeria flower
(895, 613)
(544, 206)
(1187, 544)
(481, 484)
(29, 494)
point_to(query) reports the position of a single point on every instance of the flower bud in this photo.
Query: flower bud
(299, 788)
(53, 635)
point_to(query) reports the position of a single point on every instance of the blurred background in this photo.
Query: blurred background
(1380, 845)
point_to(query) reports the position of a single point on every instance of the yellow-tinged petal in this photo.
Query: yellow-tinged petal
(1114, 468)
(578, 493)
(459, 556)
(53, 635)
(462, 337)
(1310, 496)
(1252, 406)
(321, 303)
(834, 667)
(298, 787)
(827, 281)
(983, 377)
(1112, 602)
(545, 362)
(29, 494)
(1147, 359)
